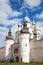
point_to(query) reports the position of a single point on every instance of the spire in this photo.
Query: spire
(26, 19)
(9, 33)
(35, 26)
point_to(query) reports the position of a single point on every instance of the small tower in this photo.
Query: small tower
(9, 42)
(17, 33)
(19, 27)
(24, 43)
(27, 20)
(36, 33)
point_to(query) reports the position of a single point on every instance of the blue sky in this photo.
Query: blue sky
(12, 13)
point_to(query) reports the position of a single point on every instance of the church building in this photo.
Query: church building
(27, 46)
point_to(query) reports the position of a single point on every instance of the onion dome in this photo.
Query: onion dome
(27, 19)
(24, 29)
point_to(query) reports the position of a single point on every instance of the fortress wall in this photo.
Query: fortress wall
(2, 53)
(36, 51)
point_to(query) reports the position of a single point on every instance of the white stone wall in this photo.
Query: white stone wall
(28, 25)
(8, 49)
(2, 54)
(24, 47)
(17, 37)
(31, 33)
(14, 55)
(36, 51)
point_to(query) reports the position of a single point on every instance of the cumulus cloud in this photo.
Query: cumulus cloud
(5, 13)
(16, 13)
(7, 22)
(33, 3)
(40, 27)
(40, 16)
(3, 33)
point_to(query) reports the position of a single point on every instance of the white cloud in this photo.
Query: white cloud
(39, 15)
(3, 33)
(5, 11)
(40, 27)
(10, 22)
(4, 30)
(16, 13)
(33, 3)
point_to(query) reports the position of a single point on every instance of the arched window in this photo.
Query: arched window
(35, 35)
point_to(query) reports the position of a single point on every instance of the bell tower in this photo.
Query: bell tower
(9, 42)
(36, 33)
(24, 43)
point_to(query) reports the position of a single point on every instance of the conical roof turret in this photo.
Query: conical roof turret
(9, 36)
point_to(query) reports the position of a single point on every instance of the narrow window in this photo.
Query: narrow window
(21, 59)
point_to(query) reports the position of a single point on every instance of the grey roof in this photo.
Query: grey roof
(2, 47)
(25, 30)
(9, 36)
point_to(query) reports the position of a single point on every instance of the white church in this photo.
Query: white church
(27, 46)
